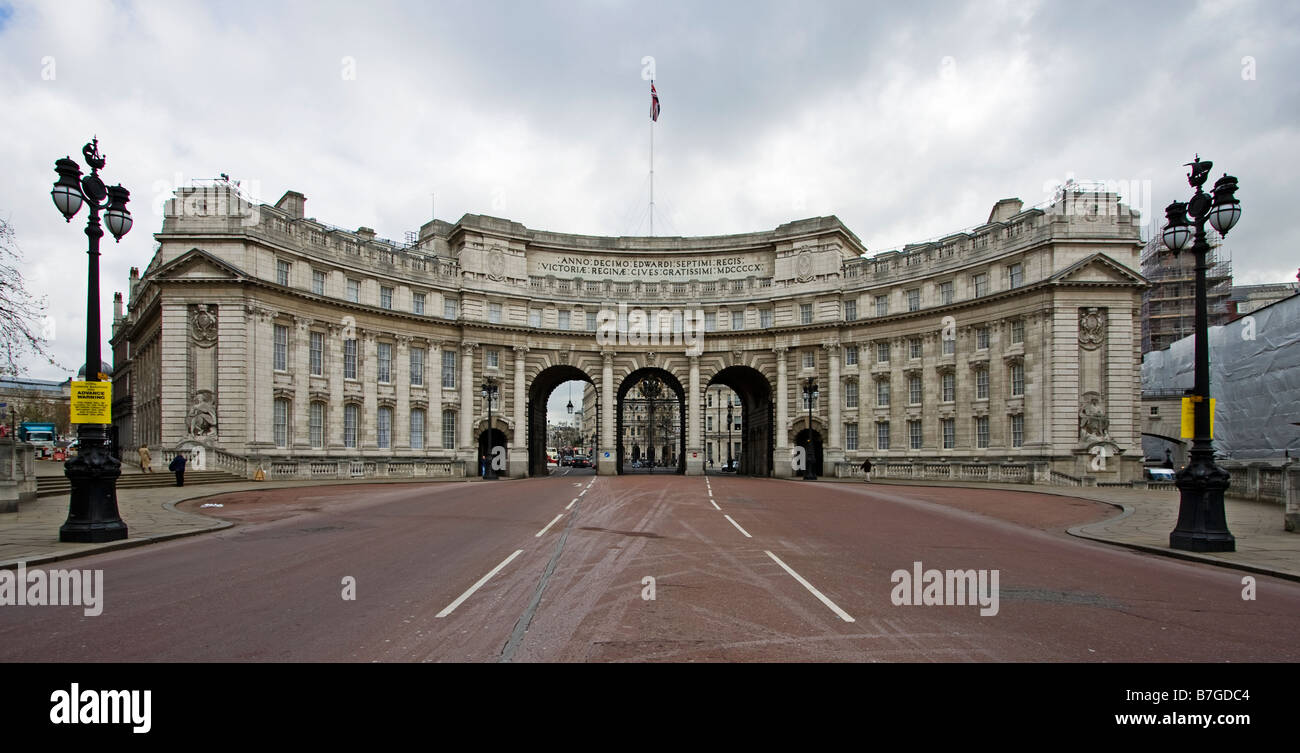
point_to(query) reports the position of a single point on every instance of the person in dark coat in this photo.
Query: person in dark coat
(178, 467)
(866, 469)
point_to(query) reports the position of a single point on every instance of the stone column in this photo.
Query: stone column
(519, 448)
(433, 387)
(299, 429)
(607, 466)
(694, 448)
(401, 375)
(334, 368)
(833, 451)
(781, 456)
(465, 425)
(369, 373)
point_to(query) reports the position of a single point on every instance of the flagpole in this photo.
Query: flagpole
(652, 177)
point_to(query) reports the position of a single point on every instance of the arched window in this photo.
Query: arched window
(384, 428)
(417, 428)
(350, 415)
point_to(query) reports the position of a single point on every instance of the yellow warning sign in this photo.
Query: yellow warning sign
(92, 402)
(1189, 419)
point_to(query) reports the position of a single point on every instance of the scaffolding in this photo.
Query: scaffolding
(1169, 305)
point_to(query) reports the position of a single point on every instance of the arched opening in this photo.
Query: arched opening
(651, 423)
(748, 437)
(492, 446)
(811, 442)
(539, 394)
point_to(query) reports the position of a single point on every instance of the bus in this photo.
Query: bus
(552, 455)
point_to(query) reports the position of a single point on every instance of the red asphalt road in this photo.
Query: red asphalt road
(270, 589)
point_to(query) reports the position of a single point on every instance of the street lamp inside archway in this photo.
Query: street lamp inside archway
(809, 395)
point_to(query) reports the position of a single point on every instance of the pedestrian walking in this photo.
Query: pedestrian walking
(866, 469)
(145, 460)
(1169, 459)
(178, 467)
(482, 466)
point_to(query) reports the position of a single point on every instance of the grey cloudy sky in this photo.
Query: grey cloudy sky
(906, 120)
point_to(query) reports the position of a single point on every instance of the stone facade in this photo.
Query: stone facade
(263, 338)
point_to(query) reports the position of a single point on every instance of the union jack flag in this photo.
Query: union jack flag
(654, 102)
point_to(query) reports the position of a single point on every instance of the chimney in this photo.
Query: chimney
(134, 281)
(293, 204)
(117, 308)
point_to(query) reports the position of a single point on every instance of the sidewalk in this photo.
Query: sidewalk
(31, 535)
(1148, 517)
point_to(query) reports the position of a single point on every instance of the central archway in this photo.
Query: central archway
(538, 393)
(649, 423)
(757, 418)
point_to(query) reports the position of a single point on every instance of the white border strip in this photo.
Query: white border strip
(843, 615)
(538, 535)
(737, 525)
(452, 606)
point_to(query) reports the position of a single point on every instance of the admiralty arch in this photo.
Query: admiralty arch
(259, 338)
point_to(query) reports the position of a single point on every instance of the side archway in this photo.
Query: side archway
(757, 418)
(539, 392)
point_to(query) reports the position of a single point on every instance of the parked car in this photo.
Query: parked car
(581, 461)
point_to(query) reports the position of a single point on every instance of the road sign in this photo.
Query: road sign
(1189, 419)
(92, 403)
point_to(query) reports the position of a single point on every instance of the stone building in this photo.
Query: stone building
(260, 337)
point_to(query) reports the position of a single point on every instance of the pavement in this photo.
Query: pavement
(1144, 520)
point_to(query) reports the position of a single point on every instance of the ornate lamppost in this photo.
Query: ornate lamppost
(729, 432)
(650, 389)
(1202, 525)
(809, 395)
(92, 510)
(489, 394)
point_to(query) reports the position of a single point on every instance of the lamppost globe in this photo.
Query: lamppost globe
(118, 218)
(1226, 210)
(67, 189)
(1177, 233)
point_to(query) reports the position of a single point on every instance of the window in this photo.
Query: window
(914, 347)
(981, 284)
(1017, 330)
(949, 386)
(1017, 430)
(810, 359)
(384, 427)
(282, 272)
(350, 413)
(850, 436)
(417, 303)
(281, 423)
(316, 424)
(354, 291)
(281, 347)
(945, 292)
(882, 435)
(417, 428)
(851, 394)
(850, 355)
(914, 390)
(417, 367)
(385, 297)
(708, 420)
(805, 313)
(949, 346)
(449, 373)
(882, 393)
(385, 363)
(564, 320)
(882, 305)
(317, 353)
(882, 352)
(982, 338)
(765, 318)
(449, 429)
(492, 358)
(1015, 275)
(1155, 411)
(494, 314)
(534, 317)
(949, 433)
(710, 322)
(591, 321)
(318, 282)
(349, 359)
(1017, 379)
(738, 320)
(981, 431)
(449, 308)
(914, 434)
(850, 311)
(982, 384)
(914, 299)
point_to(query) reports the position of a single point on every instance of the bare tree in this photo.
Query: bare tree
(22, 315)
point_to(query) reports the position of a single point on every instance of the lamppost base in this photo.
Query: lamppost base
(92, 511)
(1202, 541)
(1202, 525)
